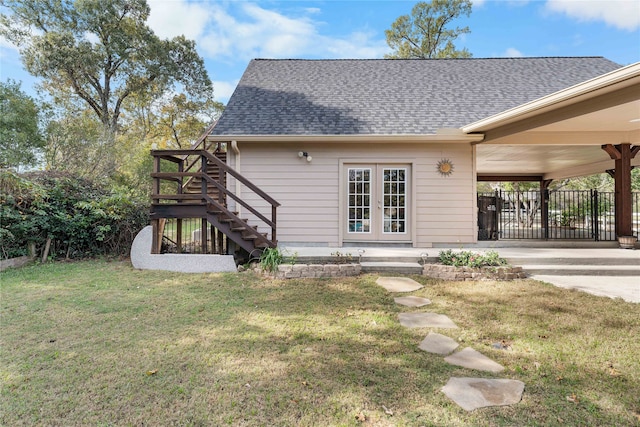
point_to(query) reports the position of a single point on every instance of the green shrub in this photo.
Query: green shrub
(470, 259)
(81, 218)
(270, 259)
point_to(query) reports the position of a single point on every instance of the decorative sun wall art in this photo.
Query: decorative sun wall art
(445, 167)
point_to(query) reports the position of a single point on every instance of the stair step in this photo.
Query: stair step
(595, 261)
(581, 270)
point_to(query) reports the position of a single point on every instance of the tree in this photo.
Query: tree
(75, 145)
(425, 34)
(20, 137)
(101, 51)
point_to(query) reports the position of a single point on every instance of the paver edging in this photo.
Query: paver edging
(309, 271)
(450, 272)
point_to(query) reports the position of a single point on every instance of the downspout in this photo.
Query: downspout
(236, 166)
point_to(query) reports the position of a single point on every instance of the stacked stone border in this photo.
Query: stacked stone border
(450, 272)
(298, 271)
(436, 271)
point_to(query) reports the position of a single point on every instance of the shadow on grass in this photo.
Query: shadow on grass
(158, 349)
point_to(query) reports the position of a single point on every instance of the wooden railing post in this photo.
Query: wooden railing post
(204, 173)
(156, 181)
(273, 228)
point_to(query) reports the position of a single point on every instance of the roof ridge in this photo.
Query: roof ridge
(426, 59)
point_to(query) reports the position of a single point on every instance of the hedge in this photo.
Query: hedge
(78, 218)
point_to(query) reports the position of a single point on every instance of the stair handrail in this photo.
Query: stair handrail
(240, 178)
(194, 147)
(239, 200)
(237, 219)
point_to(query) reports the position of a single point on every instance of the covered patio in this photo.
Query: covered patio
(590, 128)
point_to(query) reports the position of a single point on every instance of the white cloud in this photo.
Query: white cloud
(241, 31)
(171, 18)
(512, 53)
(622, 14)
(223, 90)
(355, 45)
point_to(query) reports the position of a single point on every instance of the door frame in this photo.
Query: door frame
(346, 163)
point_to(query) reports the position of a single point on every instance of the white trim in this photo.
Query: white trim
(407, 138)
(628, 74)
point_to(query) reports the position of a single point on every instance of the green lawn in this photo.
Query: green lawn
(98, 343)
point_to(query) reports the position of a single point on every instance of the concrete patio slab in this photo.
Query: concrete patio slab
(438, 344)
(412, 301)
(625, 287)
(472, 359)
(474, 393)
(426, 320)
(399, 284)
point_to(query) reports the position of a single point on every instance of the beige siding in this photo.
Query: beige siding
(443, 208)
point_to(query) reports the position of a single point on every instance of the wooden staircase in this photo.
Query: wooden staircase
(198, 190)
(194, 184)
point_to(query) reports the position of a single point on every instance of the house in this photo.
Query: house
(389, 152)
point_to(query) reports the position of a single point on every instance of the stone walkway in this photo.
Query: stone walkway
(468, 393)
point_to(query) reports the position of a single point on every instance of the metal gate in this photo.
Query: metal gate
(570, 214)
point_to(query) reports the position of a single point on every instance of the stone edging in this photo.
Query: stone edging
(296, 271)
(449, 272)
(437, 271)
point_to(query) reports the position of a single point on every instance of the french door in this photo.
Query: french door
(377, 205)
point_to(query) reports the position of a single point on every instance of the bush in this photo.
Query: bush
(470, 259)
(270, 259)
(81, 218)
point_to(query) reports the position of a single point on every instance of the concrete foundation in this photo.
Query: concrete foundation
(143, 259)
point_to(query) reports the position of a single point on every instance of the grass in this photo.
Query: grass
(98, 343)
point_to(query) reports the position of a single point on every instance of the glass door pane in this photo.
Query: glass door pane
(359, 200)
(394, 208)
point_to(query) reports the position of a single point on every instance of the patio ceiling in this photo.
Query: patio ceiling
(561, 135)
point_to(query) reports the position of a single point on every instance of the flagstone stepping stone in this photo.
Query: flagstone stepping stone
(474, 393)
(426, 320)
(438, 344)
(412, 301)
(472, 359)
(398, 284)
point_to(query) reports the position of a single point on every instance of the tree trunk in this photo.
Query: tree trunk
(45, 252)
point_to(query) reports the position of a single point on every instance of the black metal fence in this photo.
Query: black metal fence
(186, 235)
(570, 214)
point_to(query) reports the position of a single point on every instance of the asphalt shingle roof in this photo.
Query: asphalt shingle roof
(389, 97)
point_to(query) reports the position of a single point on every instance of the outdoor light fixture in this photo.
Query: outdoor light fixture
(424, 256)
(360, 253)
(302, 154)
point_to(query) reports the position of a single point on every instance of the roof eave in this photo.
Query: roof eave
(625, 75)
(457, 137)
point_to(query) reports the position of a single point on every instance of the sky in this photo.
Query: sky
(230, 33)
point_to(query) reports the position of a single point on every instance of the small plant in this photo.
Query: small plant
(471, 259)
(340, 256)
(270, 259)
(293, 258)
